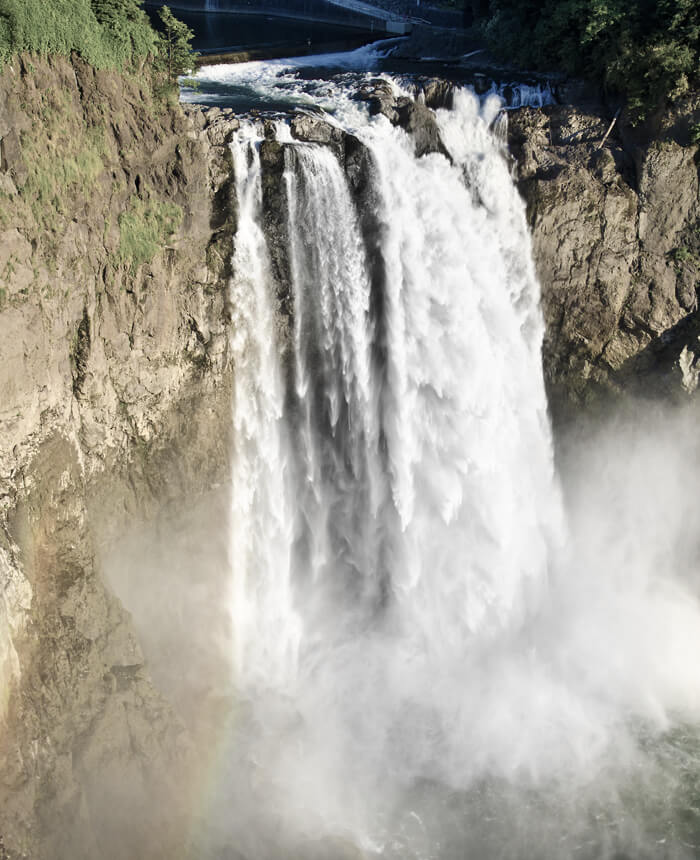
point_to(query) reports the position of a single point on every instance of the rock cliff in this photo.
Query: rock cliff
(116, 219)
(616, 236)
(115, 226)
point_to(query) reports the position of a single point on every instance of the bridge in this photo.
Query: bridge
(340, 13)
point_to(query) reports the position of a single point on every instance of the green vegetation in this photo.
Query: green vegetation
(645, 50)
(105, 33)
(126, 28)
(681, 255)
(53, 172)
(66, 167)
(144, 228)
(175, 54)
(63, 156)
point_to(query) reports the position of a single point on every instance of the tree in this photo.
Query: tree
(176, 54)
(645, 50)
(106, 33)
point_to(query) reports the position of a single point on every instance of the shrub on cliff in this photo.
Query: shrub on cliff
(646, 50)
(144, 229)
(106, 33)
(126, 28)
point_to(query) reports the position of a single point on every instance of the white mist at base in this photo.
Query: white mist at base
(434, 661)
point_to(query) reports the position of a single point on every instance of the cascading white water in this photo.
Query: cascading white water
(393, 509)
(340, 481)
(417, 635)
(463, 488)
(266, 628)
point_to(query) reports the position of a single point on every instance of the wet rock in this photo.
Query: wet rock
(384, 105)
(413, 116)
(379, 95)
(274, 208)
(272, 156)
(221, 133)
(314, 130)
(360, 170)
(358, 165)
(419, 121)
(437, 93)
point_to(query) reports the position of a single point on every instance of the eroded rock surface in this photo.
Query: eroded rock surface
(413, 115)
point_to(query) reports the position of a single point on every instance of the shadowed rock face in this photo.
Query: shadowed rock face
(274, 194)
(615, 236)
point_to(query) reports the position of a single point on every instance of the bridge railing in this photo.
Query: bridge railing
(315, 10)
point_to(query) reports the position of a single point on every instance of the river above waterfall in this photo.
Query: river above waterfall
(323, 82)
(220, 32)
(441, 646)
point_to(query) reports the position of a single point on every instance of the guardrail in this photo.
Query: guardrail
(312, 10)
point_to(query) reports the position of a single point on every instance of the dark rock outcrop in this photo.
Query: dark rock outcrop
(419, 121)
(413, 115)
(436, 93)
(314, 129)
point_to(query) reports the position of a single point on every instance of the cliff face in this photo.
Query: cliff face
(115, 225)
(616, 236)
(116, 218)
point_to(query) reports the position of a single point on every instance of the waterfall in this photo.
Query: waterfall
(433, 657)
(425, 479)
(394, 501)
(266, 628)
